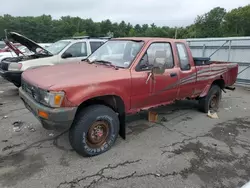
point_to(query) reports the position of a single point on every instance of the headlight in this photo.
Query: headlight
(15, 66)
(52, 99)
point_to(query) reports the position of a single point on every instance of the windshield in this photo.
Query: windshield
(120, 53)
(57, 47)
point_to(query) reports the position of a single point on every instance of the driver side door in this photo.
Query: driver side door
(76, 52)
(149, 89)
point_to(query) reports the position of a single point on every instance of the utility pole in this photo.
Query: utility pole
(176, 33)
(78, 26)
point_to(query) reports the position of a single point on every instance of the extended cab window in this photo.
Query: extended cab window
(158, 54)
(77, 50)
(95, 45)
(183, 57)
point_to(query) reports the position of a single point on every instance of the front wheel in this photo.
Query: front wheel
(94, 130)
(212, 100)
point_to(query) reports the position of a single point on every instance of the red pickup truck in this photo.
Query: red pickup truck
(91, 98)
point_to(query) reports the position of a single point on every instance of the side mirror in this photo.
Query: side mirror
(158, 70)
(66, 55)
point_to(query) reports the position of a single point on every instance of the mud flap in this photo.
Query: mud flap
(122, 131)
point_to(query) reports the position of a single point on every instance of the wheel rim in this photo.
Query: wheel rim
(214, 102)
(97, 134)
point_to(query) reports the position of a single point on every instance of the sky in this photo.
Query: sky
(161, 12)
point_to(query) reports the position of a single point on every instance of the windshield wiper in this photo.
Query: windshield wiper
(86, 59)
(106, 63)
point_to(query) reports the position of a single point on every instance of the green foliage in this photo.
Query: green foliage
(237, 22)
(78, 34)
(210, 24)
(215, 23)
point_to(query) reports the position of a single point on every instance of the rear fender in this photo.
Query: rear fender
(205, 91)
(220, 82)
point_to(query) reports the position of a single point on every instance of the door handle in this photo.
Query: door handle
(173, 74)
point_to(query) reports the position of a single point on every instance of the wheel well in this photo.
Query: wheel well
(220, 83)
(112, 101)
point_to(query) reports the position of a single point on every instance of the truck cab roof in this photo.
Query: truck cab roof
(149, 39)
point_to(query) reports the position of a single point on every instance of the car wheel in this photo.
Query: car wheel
(94, 130)
(212, 100)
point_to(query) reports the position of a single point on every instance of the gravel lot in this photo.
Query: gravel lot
(187, 149)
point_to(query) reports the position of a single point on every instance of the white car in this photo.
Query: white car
(62, 51)
(247, 185)
(23, 49)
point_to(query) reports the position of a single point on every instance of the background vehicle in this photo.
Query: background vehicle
(2, 44)
(123, 76)
(62, 51)
(6, 48)
(7, 52)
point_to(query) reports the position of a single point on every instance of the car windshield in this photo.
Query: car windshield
(57, 47)
(120, 53)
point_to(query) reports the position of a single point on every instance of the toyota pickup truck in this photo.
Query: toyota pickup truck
(92, 97)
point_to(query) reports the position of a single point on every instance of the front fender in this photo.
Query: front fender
(97, 90)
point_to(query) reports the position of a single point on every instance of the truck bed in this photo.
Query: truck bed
(216, 69)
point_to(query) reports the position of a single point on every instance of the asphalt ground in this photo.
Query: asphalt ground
(185, 148)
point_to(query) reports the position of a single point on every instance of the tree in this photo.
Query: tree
(79, 34)
(215, 23)
(237, 22)
(210, 24)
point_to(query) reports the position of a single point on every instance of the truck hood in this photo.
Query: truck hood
(72, 75)
(31, 45)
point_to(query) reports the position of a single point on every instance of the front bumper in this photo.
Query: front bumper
(12, 76)
(58, 118)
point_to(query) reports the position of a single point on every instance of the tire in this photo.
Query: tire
(205, 102)
(97, 121)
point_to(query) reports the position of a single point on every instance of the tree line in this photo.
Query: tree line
(215, 23)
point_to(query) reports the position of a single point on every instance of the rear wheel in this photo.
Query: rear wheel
(212, 100)
(94, 130)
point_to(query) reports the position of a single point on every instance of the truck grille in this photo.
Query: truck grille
(30, 90)
(4, 66)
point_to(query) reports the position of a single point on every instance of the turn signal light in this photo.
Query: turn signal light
(57, 100)
(43, 114)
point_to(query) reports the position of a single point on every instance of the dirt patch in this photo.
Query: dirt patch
(63, 161)
(11, 147)
(18, 167)
(214, 167)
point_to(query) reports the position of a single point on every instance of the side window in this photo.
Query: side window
(95, 45)
(77, 50)
(158, 54)
(183, 57)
